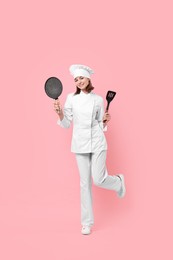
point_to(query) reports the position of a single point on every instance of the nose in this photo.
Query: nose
(79, 82)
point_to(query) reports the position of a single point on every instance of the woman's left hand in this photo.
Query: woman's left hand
(106, 117)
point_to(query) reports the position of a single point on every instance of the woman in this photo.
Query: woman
(86, 110)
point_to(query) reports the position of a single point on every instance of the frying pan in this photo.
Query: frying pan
(53, 87)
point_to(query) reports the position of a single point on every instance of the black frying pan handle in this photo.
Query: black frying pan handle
(55, 100)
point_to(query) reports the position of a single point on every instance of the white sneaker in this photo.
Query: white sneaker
(121, 193)
(86, 230)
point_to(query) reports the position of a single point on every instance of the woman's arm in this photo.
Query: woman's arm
(103, 116)
(65, 115)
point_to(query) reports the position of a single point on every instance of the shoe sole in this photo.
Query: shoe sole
(86, 233)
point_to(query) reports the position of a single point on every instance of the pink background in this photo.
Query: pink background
(129, 45)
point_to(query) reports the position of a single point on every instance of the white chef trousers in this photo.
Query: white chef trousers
(93, 166)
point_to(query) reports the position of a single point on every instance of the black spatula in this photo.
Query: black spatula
(109, 97)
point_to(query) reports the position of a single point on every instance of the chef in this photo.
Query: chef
(86, 110)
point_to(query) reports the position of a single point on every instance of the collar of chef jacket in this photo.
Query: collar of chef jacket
(83, 109)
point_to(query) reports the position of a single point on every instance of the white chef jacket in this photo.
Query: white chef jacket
(86, 111)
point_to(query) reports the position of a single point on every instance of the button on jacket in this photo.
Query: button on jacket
(86, 111)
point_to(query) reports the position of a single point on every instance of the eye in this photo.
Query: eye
(81, 77)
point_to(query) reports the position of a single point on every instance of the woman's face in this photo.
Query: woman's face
(81, 82)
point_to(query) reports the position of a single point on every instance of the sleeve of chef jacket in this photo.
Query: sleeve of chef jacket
(100, 116)
(68, 115)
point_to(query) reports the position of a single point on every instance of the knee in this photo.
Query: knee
(97, 181)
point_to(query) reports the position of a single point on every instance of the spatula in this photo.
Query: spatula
(109, 97)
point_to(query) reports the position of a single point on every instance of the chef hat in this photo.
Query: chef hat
(78, 70)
